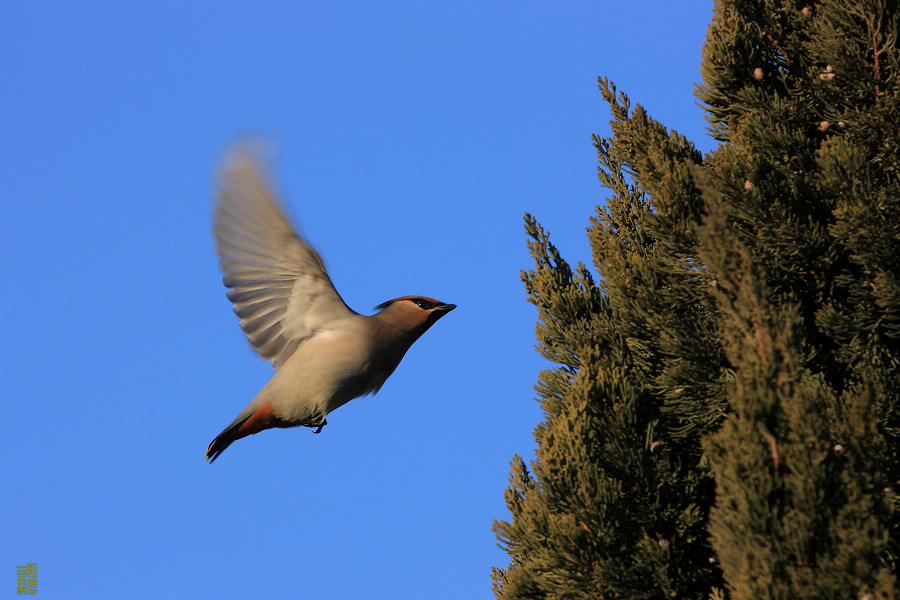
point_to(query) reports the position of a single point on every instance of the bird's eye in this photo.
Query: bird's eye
(424, 304)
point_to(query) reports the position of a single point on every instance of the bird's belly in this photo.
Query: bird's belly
(312, 384)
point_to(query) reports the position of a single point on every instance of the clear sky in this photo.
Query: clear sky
(410, 138)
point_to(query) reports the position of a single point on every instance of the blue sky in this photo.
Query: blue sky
(409, 138)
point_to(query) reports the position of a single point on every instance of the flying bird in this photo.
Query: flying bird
(324, 353)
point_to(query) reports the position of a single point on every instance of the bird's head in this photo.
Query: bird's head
(413, 313)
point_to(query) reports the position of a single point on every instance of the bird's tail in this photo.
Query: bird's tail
(223, 440)
(252, 420)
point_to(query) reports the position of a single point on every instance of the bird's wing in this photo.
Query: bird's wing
(279, 286)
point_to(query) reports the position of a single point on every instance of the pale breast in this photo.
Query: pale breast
(332, 368)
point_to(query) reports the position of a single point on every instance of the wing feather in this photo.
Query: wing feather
(277, 282)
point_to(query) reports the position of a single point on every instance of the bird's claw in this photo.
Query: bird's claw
(321, 425)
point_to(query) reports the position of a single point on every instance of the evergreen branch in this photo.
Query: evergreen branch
(792, 67)
(878, 91)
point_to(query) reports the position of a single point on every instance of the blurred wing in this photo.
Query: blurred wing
(277, 283)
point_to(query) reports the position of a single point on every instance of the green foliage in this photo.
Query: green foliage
(723, 420)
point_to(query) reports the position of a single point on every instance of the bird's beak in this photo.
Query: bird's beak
(437, 312)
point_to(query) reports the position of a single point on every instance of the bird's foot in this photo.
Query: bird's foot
(321, 425)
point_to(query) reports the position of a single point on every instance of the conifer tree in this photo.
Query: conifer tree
(723, 420)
